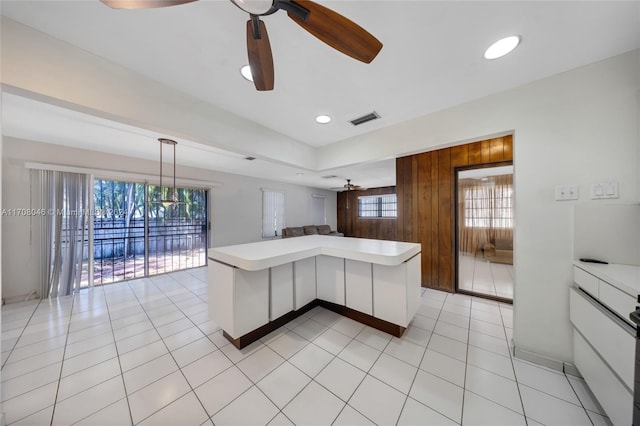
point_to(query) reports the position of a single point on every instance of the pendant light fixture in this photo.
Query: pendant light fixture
(173, 199)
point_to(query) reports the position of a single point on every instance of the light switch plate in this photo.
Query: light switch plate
(604, 190)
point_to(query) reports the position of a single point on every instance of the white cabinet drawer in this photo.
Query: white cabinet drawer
(619, 302)
(612, 339)
(616, 400)
(586, 281)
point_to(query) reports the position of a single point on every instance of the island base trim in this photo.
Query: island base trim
(377, 323)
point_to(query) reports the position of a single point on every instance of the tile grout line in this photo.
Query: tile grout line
(55, 400)
(420, 363)
(366, 373)
(466, 363)
(22, 332)
(313, 379)
(579, 400)
(169, 352)
(97, 384)
(524, 411)
(115, 343)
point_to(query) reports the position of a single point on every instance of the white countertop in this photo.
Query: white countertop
(266, 254)
(624, 277)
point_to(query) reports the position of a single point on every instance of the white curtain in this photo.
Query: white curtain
(485, 211)
(65, 230)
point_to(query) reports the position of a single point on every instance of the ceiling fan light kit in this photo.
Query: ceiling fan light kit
(323, 23)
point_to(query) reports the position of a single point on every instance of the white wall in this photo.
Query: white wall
(609, 232)
(236, 212)
(578, 127)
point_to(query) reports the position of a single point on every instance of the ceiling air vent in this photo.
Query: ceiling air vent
(368, 117)
(329, 177)
(250, 158)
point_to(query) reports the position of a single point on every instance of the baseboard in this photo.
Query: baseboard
(21, 298)
(252, 336)
(572, 370)
(538, 359)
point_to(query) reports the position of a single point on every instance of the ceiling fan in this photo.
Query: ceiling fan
(330, 27)
(350, 187)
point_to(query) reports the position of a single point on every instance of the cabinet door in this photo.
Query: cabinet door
(304, 279)
(390, 293)
(281, 281)
(239, 300)
(330, 279)
(616, 400)
(358, 286)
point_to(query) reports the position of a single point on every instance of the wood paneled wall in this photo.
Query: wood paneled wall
(425, 184)
(352, 226)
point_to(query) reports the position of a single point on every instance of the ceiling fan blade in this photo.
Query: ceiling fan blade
(338, 32)
(142, 4)
(259, 52)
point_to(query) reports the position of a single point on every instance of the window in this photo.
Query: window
(378, 206)
(272, 213)
(318, 210)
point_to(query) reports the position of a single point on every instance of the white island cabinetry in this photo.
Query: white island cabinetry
(255, 288)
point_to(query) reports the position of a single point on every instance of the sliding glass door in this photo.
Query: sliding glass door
(485, 231)
(135, 235)
(177, 233)
(118, 231)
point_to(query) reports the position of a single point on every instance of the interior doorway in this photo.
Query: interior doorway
(484, 231)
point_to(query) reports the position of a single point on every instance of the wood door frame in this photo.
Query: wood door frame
(456, 219)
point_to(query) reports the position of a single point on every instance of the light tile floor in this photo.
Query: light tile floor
(481, 276)
(145, 352)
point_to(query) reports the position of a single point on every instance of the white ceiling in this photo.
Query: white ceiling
(431, 60)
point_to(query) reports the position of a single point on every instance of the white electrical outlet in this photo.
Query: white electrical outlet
(566, 192)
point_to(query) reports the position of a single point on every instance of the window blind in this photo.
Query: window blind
(318, 210)
(272, 213)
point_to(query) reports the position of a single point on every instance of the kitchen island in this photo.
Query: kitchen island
(255, 288)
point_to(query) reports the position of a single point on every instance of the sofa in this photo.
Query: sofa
(299, 231)
(499, 250)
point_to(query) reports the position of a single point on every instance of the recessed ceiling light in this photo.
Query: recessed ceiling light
(323, 119)
(300, 174)
(502, 47)
(246, 72)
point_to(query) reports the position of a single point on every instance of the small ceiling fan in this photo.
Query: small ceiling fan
(330, 27)
(350, 187)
